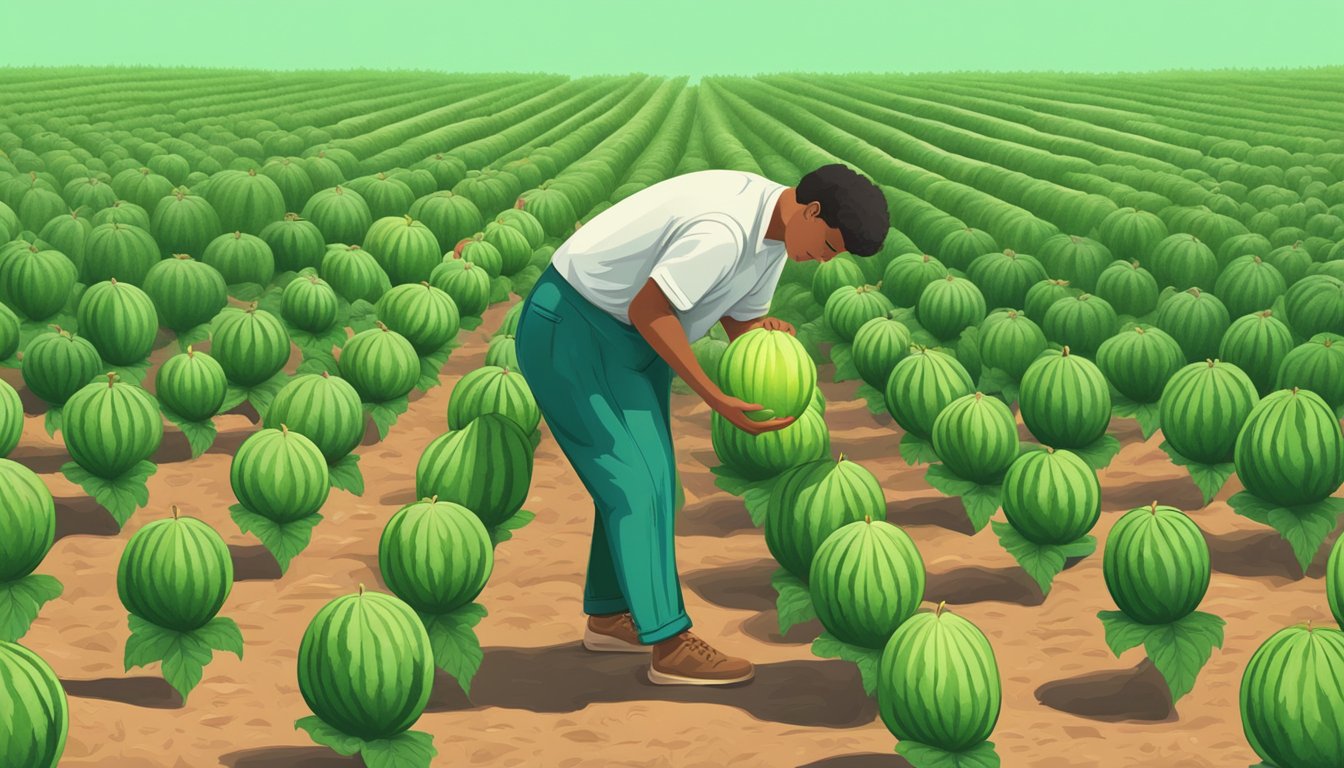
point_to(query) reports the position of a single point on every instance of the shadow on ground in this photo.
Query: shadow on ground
(288, 757)
(865, 760)
(744, 586)
(977, 584)
(148, 692)
(1136, 694)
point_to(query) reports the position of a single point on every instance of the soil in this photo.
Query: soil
(541, 699)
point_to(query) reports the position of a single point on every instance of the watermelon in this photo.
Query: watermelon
(36, 283)
(366, 667)
(1292, 261)
(56, 365)
(1315, 304)
(1051, 497)
(938, 682)
(450, 217)
(1257, 344)
(1196, 320)
(879, 345)
(280, 475)
(813, 500)
(961, 247)
(9, 332)
(118, 250)
(251, 345)
(380, 364)
(241, 258)
(1041, 296)
(246, 201)
(323, 408)
(1183, 262)
(340, 213)
(184, 223)
(949, 306)
(465, 283)
(1004, 278)
(1010, 341)
(295, 243)
(37, 719)
(762, 456)
(290, 177)
(1077, 260)
(1317, 365)
(848, 309)
(425, 315)
(1203, 408)
(186, 292)
(176, 573)
(475, 250)
(353, 273)
(553, 208)
(921, 385)
(406, 249)
(27, 521)
(515, 250)
(141, 186)
(435, 555)
(976, 437)
(191, 385)
(524, 222)
(110, 426)
(1131, 234)
(833, 275)
(770, 369)
(309, 303)
(1129, 288)
(1292, 694)
(1081, 323)
(387, 197)
(119, 320)
(1290, 451)
(1139, 362)
(11, 418)
(1334, 581)
(1249, 284)
(486, 466)
(906, 276)
(1065, 400)
(866, 579)
(503, 352)
(1156, 564)
(493, 390)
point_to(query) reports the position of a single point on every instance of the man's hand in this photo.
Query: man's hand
(775, 324)
(735, 328)
(735, 411)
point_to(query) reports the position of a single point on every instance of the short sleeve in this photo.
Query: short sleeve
(691, 265)
(756, 304)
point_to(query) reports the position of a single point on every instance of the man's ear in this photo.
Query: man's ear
(813, 209)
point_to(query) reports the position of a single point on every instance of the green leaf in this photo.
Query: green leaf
(345, 474)
(794, 603)
(363, 316)
(757, 500)
(262, 395)
(979, 501)
(134, 373)
(842, 354)
(876, 401)
(284, 541)
(1043, 562)
(1122, 632)
(1180, 650)
(234, 396)
(385, 414)
(222, 634)
(828, 646)
(996, 381)
(53, 421)
(457, 650)
(504, 531)
(317, 344)
(431, 366)
(20, 602)
(1099, 453)
(1305, 527)
(318, 361)
(1146, 414)
(408, 749)
(184, 655)
(499, 290)
(471, 322)
(200, 434)
(1209, 478)
(194, 335)
(247, 292)
(120, 496)
(732, 481)
(327, 736)
(919, 755)
(916, 450)
(12, 361)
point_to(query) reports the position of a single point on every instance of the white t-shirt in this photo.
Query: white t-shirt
(700, 236)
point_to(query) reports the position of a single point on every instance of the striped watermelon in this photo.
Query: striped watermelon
(960, 247)
(406, 249)
(1183, 262)
(524, 222)
(848, 309)
(1196, 320)
(353, 273)
(921, 385)
(1334, 581)
(36, 283)
(323, 408)
(1065, 400)
(1156, 564)
(186, 292)
(251, 345)
(1249, 284)
(475, 250)
(907, 275)
(380, 364)
(813, 500)
(387, 197)
(465, 283)
(241, 258)
(486, 466)
(1010, 341)
(184, 223)
(503, 352)
(879, 345)
(553, 209)
(976, 437)
(9, 332)
(1131, 234)
(1203, 408)
(309, 303)
(1317, 365)
(493, 390)
(949, 306)
(176, 573)
(191, 385)
(245, 200)
(1081, 323)
(1290, 450)
(1292, 697)
(118, 250)
(295, 242)
(280, 475)
(340, 213)
(119, 320)
(56, 365)
(509, 325)
(1130, 289)
(1257, 344)
(1315, 304)
(426, 316)
(866, 579)
(1292, 261)
(110, 426)
(11, 418)
(37, 714)
(1051, 497)
(938, 682)
(27, 521)
(1139, 362)
(515, 250)
(766, 455)
(449, 216)
(435, 555)
(1043, 295)
(770, 369)
(366, 667)
(1077, 260)
(1005, 277)
(833, 275)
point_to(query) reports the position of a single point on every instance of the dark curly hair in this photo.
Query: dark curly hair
(851, 203)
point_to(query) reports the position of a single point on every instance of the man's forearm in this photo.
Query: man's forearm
(652, 315)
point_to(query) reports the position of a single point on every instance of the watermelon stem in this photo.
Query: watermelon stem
(175, 511)
(939, 610)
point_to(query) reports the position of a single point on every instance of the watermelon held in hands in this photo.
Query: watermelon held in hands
(34, 730)
(1156, 564)
(379, 691)
(175, 572)
(435, 555)
(771, 369)
(866, 579)
(1292, 696)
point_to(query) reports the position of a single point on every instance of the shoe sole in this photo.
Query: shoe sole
(595, 641)
(663, 678)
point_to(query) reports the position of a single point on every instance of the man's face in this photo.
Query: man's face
(809, 238)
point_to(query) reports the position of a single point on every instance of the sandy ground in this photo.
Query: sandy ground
(540, 699)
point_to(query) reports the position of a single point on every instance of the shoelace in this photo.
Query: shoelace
(701, 648)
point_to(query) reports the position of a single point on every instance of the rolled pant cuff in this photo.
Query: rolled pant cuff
(598, 607)
(669, 629)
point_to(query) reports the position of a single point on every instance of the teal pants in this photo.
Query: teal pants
(604, 393)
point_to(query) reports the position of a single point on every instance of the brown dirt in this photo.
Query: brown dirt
(540, 699)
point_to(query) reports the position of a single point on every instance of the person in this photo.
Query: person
(608, 324)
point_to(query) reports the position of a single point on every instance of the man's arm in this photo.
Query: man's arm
(735, 328)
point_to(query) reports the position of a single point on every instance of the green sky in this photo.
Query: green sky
(691, 37)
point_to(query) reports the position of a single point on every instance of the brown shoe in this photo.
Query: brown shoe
(616, 634)
(688, 660)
